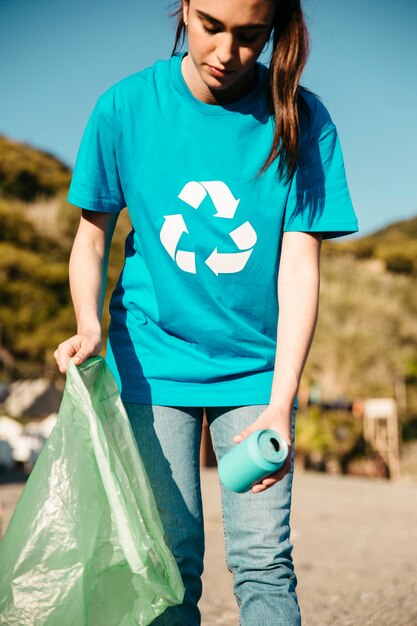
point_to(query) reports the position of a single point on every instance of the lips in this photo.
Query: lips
(220, 72)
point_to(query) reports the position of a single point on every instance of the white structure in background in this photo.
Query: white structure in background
(10, 430)
(30, 398)
(26, 449)
(24, 442)
(33, 398)
(380, 429)
(43, 428)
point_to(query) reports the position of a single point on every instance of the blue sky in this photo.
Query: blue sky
(58, 56)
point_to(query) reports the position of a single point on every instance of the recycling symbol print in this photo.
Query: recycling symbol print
(244, 236)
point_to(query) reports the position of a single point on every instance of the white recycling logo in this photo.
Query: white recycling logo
(244, 236)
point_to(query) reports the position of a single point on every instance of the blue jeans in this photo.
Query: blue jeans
(256, 526)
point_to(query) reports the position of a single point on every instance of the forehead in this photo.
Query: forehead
(236, 12)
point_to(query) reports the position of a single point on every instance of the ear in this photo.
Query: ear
(185, 7)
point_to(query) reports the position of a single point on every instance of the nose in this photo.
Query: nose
(225, 49)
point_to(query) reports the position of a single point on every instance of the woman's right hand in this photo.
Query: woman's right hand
(79, 347)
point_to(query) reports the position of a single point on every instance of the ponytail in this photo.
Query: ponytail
(289, 56)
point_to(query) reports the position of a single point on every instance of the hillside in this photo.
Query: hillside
(37, 227)
(366, 338)
(394, 245)
(26, 173)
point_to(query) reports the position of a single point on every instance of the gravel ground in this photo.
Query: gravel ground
(355, 551)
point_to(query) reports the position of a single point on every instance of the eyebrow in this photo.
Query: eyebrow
(212, 20)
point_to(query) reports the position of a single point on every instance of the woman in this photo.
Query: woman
(232, 175)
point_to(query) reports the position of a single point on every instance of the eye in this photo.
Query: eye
(248, 38)
(211, 30)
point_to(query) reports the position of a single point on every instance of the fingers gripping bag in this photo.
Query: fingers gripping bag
(85, 545)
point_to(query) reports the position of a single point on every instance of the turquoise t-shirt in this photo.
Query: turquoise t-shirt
(194, 313)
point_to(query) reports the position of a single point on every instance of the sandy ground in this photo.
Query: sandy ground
(355, 551)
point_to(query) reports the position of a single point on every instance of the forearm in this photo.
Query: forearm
(296, 325)
(298, 296)
(87, 277)
(88, 269)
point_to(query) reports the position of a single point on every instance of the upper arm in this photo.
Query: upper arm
(96, 228)
(300, 254)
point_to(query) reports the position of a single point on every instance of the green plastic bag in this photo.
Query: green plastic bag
(85, 546)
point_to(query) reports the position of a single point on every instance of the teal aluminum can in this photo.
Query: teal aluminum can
(251, 460)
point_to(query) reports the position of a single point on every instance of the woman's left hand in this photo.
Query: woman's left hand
(279, 420)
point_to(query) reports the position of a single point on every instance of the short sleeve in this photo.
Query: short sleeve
(319, 198)
(95, 183)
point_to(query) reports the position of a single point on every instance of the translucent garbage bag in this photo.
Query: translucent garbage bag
(85, 546)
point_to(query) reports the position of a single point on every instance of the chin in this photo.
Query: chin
(216, 83)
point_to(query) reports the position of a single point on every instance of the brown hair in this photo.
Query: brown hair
(289, 56)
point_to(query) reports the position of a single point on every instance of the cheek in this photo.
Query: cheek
(249, 56)
(250, 53)
(198, 43)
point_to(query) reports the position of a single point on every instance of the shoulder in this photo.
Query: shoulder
(314, 118)
(136, 87)
(312, 106)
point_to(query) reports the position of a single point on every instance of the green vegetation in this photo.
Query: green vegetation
(34, 301)
(366, 337)
(35, 306)
(26, 173)
(395, 246)
(328, 439)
